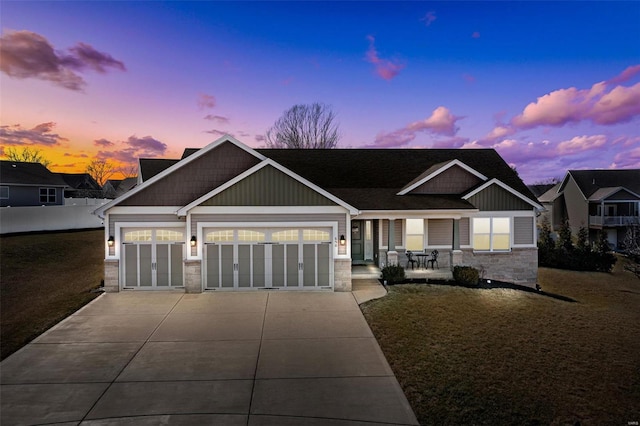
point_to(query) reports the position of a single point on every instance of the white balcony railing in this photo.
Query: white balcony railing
(614, 220)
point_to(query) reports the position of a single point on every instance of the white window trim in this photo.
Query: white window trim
(511, 214)
(48, 188)
(143, 225)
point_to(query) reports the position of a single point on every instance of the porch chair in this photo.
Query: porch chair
(410, 259)
(433, 260)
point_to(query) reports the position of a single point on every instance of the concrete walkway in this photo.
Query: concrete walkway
(252, 358)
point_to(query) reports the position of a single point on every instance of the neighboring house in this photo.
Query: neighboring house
(600, 200)
(29, 184)
(229, 217)
(81, 185)
(114, 188)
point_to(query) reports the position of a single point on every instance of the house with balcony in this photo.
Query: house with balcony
(600, 200)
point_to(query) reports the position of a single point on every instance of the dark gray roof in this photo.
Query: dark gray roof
(19, 173)
(149, 167)
(371, 178)
(589, 181)
(540, 189)
(80, 181)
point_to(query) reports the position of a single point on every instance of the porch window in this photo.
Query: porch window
(415, 235)
(491, 233)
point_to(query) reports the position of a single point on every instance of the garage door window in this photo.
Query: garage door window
(315, 235)
(219, 236)
(286, 235)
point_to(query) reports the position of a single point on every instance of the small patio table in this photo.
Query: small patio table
(422, 258)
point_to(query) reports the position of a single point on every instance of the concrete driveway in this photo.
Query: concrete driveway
(253, 358)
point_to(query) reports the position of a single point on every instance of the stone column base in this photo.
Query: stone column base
(111, 275)
(456, 257)
(192, 276)
(342, 274)
(392, 257)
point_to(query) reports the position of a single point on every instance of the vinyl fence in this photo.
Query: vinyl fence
(75, 214)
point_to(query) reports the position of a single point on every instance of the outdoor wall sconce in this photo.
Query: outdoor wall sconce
(111, 241)
(343, 240)
(193, 241)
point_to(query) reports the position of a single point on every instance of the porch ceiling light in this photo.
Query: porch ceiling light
(343, 240)
(193, 241)
(111, 241)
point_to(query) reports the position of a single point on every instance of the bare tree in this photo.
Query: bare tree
(26, 155)
(129, 170)
(305, 126)
(101, 170)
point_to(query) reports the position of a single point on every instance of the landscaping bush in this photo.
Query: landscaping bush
(581, 257)
(393, 274)
(466, 275)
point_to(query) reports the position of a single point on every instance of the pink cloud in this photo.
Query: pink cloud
(384, 68)
(627, 159)
(440, 122)
(469, 78)
(42, 134)
(580, 144)
(625, 75)
(24, 54)
(475, 34)
(206, 101)
(429, 18)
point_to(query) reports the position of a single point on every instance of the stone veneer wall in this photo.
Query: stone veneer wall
(519, 267)
(111, 275)
(342, 274)
(192, 276)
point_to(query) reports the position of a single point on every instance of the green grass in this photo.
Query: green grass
(43, 279)
(491, 357)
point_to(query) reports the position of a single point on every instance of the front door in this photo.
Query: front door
(357, 241)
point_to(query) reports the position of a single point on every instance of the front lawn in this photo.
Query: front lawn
(501, 356)
(43, 279)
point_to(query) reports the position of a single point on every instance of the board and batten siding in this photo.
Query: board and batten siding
(440, 232)
(495, 198)
(268, 187)
(523, 230)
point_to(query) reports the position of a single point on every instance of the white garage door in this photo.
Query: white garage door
(152, 258)
(268, 258)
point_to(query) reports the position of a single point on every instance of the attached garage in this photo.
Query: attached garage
(152, 258)
(292, 258)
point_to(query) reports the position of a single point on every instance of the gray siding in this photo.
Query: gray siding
(454, 180)
(523, 230)
(195, 180)
(268, 187)
(440, 232)
(577, 207)
(494, 198)
(20, 195)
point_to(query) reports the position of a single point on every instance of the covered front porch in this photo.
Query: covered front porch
(371, 271)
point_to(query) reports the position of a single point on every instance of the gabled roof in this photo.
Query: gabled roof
(540, 189)
(550, 194)
(435, 170)
(177, 165)
(20, 173)
(507, 188)
(589, 181)
(604, 193)
(80, 181)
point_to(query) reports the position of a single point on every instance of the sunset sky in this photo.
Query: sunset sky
(551, 85)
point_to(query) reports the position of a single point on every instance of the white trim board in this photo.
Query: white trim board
(445, 167)
(504, 186)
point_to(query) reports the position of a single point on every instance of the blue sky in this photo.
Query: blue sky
(550, 85)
